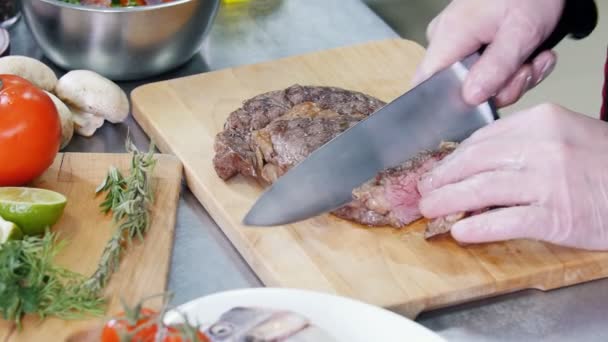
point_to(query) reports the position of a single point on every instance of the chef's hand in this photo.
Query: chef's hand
(547, 165)
(512, 28)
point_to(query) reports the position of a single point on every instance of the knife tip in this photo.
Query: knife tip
(247, 220)
(253, 219)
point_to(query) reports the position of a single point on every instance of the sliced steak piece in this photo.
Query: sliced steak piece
(391, 198)
(442, 225)
(311, 107)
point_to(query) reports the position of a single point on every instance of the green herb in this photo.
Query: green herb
(31, 283)
(130, 199)
(129, 3)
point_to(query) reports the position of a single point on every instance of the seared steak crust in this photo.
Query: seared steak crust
(285, 142)
(315, 106)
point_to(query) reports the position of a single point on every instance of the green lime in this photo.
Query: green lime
(9, 231)
(32, 209)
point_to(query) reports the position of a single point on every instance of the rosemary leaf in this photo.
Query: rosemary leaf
(129, 198)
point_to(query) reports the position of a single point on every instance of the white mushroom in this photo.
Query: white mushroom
(31, 69)
(85, 123)
(67, 123)
(87, 92)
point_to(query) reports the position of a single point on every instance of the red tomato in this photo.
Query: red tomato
(30, 131)
(114, 328)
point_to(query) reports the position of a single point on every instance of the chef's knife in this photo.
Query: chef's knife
(418, 120)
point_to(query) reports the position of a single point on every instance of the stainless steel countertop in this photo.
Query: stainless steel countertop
(205, 262)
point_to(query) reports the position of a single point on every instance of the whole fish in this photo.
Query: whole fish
(252, 324)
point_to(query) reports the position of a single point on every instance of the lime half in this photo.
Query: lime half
(9, 231)
(32, 209)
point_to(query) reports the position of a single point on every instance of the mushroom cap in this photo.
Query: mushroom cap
(92, 93)
(67, 123)
(31, 69)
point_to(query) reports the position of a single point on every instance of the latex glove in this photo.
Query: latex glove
(512, 28)
(547, 165)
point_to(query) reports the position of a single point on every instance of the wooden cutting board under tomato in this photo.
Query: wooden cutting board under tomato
(144, 266)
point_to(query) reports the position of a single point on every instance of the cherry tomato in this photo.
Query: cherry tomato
(144, 329)
(174, 336)
(30, 131)
(114, 328)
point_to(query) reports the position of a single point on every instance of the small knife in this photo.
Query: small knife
(418, 120)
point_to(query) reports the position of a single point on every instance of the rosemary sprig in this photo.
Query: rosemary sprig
(130, 199)
(31, 283)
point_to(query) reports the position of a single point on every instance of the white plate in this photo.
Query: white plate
(343, 318)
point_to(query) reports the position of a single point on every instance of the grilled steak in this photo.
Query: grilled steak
(318, 114)
(274, 131)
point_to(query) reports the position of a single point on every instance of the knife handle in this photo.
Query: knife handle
(579, 19)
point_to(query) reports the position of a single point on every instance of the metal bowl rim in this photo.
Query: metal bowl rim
(85, 8)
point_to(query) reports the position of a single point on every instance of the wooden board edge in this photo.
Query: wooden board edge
(414, 309)
(264, 274)
(135, 93)
(172, 219)
(548, 279)
(147, 126)
(178, 164)
(142, 90)
(119, 154)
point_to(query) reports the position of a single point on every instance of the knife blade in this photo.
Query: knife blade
(418, 120)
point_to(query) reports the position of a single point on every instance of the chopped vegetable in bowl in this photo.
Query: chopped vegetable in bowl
(116, 3)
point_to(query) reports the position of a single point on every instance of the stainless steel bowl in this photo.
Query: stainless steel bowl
(120, 43)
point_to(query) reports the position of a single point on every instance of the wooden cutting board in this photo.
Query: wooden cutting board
(144, 268)
(392, 268)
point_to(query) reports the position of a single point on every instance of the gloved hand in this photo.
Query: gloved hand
(512, 28)
(547, 166)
